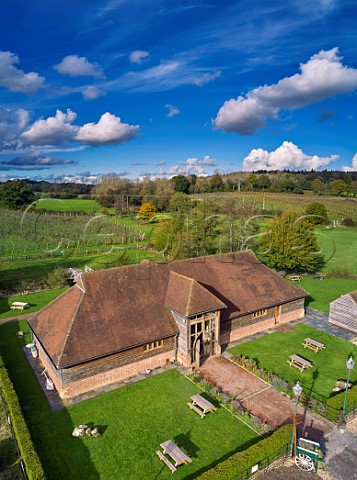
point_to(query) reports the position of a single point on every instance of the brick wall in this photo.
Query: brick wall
(248, 325)
(115, 375)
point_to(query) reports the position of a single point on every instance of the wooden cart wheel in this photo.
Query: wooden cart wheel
(304, 462)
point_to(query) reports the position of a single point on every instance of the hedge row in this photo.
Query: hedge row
(28, 453)
(239, 462)
(337, 400)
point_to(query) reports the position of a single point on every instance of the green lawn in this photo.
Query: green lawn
(69, 205)
(322, 292)
(36, 300)
(134, 419)
(272, 353)
(339, 246)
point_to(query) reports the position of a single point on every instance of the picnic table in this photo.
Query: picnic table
(203, 404)
(177, 455)
(19, 305)
(299, 362)
(295, 278)
(313, 345)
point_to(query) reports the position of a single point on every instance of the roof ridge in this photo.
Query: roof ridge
(70, 328)
(188, 305)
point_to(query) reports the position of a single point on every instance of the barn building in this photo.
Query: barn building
(118, 322)
(343, 311)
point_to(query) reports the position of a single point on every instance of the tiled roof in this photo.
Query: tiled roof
(188, 297)
(125, 306)
(353, 295)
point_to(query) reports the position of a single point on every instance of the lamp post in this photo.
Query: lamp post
(297, 389)
(349, 365)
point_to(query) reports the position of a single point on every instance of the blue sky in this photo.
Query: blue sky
(161, 87)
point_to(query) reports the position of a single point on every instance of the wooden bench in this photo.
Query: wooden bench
(313, 345)
(166, 461)
(295, 278)
(299, 362)
(197, 410)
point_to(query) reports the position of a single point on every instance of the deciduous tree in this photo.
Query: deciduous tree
(290, 244)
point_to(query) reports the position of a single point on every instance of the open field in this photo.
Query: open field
(339, 246)
(134, 421)
(272, 352)
(69, 205)
(337, 207)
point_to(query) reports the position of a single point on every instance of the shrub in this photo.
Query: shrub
(271, 447)
(348, 222)
(29, 455)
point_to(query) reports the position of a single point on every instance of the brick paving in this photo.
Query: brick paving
(261, 399)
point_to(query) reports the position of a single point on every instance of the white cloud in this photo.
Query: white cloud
(353, 167)
(16, 80)
(109, 130)
(23, 116)
(91, 93)
(321, 77)
(167, 75)
(57, 133)
(76, 66)
(192, 165)
(138, 56)
(172, 110)
(55, 130)
(287, 156)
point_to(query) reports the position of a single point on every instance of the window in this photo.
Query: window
(260, 313)
(153, 345)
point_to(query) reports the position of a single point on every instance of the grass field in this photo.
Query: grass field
(70, 205)
(339, 246)
(134, 421)
(272, 353)
(36, 301)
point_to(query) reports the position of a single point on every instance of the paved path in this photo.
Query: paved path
(260, 398)
(319, 320)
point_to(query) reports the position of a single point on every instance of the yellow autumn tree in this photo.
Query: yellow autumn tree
(147, 211)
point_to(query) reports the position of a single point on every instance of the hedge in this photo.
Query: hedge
(239, 462)
(337, 400)
(28, 453)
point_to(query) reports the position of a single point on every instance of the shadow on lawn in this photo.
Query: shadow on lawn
(183, 439)
(216, 462)
(62, 456)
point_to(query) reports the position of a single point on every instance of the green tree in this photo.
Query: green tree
(338, 187)
(180, 183)
(317, 186)
(216, 182)
(290, 244)
(16, 194)
(147, 211)
(317, 213)
(58, 278)
(252, 180)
